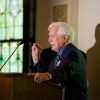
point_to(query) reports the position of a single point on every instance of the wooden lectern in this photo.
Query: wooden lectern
(22, 87)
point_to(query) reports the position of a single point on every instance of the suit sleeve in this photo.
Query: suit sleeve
(39, 67)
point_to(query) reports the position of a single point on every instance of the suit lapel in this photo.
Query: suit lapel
(64, 55)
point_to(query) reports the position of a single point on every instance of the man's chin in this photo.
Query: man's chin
(53, 49)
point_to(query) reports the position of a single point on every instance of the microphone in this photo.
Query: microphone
(20, 43)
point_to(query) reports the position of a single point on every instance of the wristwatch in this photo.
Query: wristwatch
(49, 76)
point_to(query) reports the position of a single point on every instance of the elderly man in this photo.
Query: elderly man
(67, 68)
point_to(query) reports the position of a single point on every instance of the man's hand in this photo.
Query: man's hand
(36, 50)
(39, 77)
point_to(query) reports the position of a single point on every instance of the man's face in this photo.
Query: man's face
(56, 41)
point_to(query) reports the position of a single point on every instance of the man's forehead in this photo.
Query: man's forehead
(54, 29)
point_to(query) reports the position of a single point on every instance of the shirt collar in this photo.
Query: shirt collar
(61, 50)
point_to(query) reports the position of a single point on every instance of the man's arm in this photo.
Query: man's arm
(42, 65)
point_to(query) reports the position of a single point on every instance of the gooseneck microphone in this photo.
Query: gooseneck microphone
(20, 43)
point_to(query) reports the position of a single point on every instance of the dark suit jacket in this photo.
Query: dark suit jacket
(47, 55)
(71, 73)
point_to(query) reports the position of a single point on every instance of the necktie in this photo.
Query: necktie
(57, 61)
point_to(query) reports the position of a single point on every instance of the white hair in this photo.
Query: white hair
(64, 29)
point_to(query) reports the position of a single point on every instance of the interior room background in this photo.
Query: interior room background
(29, 20)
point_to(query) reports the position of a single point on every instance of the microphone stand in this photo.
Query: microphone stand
(11, 55)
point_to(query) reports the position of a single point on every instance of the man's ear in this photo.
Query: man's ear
(66, 38)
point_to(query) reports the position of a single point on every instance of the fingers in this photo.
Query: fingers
(36, 46)
(31, 74)
(36, 51)
(36, 77)
(39, 77)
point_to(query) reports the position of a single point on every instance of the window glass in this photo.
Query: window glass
(11, 28)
